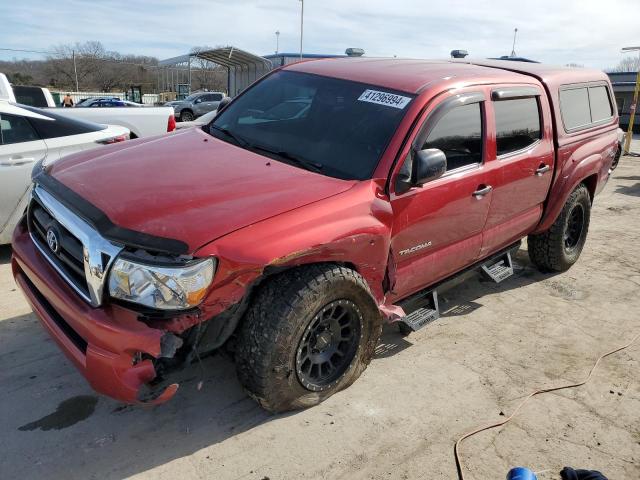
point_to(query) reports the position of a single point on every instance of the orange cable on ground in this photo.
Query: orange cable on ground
(456, 449)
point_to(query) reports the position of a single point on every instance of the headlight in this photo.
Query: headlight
(166, 288)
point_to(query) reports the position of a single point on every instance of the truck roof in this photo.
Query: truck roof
(414, 75)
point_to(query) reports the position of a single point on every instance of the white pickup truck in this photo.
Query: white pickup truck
(141, 122)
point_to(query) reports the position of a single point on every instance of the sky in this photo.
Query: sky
(586, 32)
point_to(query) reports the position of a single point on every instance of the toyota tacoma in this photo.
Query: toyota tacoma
(291, 237)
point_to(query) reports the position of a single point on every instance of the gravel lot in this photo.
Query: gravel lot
(401, 419)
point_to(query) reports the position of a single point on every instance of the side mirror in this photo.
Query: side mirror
(428, 164)
(223, 103)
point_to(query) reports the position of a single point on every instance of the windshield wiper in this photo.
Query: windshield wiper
(285, 156)
(240, 141)
(289, 158)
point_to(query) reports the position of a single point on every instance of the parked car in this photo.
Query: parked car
(29, 135)
(106, 103)
(195, 105)
(291, 241)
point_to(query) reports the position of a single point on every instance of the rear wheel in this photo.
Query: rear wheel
(186, 116)
(309, 333)
(559, 248)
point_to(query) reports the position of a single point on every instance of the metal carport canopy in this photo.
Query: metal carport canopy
(233, 57)
(244, 67)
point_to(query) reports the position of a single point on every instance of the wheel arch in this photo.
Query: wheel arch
(591, 182)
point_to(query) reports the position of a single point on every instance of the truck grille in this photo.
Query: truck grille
(68, 255)
(74, 248)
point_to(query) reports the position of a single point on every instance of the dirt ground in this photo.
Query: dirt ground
(494, 344)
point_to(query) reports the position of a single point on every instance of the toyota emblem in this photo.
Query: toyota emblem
(52, 241)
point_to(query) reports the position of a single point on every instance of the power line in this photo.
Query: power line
(25, 51)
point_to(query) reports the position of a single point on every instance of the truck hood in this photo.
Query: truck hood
(189, 186)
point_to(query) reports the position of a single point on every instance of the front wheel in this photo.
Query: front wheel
(308, 334)
(557, 249)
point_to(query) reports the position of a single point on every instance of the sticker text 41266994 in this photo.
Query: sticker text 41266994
(384, 98)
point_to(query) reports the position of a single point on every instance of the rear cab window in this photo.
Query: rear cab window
(585, 105)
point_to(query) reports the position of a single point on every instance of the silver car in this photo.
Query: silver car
(195, 105)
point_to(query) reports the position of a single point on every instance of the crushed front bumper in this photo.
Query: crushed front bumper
(109, 345)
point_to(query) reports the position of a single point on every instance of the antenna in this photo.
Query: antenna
(513, 48)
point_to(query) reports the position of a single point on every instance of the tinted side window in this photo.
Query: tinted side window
(33, 96)
(517, 124)
(16, 129)
(217, 97)
(600, 103)
(459, 135)
(574, 105)
(60, 126)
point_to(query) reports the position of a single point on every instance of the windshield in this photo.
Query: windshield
(337, 127)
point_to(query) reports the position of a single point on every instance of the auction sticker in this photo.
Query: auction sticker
(384, 98)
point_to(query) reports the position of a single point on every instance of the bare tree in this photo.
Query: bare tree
(627, 64)
(206, 75)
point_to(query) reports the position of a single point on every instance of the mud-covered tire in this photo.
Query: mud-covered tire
(557, 249)
(187, 116)
(278, 320)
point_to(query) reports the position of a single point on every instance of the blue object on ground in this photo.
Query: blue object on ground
(521, 473)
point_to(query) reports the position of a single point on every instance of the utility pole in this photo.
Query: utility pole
(634, 103)
(513, 48)
(75, 70)
(301, 25)
(277, 41)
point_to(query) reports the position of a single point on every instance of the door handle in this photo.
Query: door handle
(542, 169)
(482, 191)
(16, 161)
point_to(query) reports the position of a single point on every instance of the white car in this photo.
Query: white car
(29, 135)
(198, 122)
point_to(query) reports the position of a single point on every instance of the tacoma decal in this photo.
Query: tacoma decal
(415, 248)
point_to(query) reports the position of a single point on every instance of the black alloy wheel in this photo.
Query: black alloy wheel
(575, 225)
(328, 345)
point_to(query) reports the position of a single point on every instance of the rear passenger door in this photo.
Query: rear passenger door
(437, 227)
(521, 141)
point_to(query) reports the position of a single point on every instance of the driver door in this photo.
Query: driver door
(438, 226)
(20, 148)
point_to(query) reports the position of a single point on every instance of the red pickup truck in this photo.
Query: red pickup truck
(328, 197)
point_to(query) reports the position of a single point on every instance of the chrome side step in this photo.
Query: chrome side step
(500, 269)
(423, 308)
(424, 315)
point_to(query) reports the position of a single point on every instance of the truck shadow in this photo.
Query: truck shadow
(460, 300)
(633, 190)
(69, 432)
